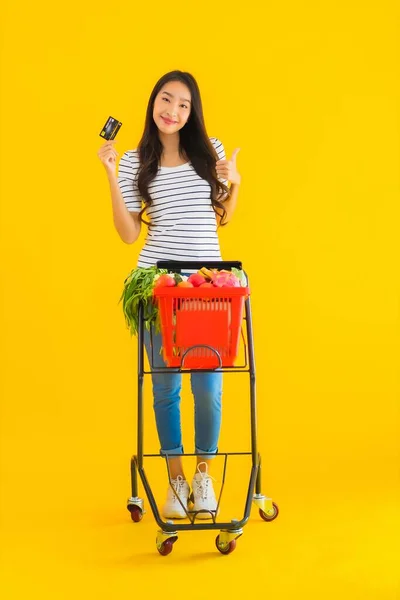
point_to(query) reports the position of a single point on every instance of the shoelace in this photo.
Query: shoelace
(178, 485)
(202, 484)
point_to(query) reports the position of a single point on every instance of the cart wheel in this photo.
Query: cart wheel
(227, 549)
(266, 517)
(166, 547)
(136, 513)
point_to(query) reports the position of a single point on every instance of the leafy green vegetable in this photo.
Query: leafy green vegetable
(138, 287)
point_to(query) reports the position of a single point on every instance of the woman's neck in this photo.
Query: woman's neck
(170, 142)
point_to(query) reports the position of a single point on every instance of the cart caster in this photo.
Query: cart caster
(226, 540)
(225, 548)
(271, 514)
(268, 510)
(166, 547)
(135, 507)
(165, 542)
(136, 513)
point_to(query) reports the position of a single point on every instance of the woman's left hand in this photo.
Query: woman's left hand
(226, 169)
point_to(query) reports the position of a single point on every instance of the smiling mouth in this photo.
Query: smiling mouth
(168, 121)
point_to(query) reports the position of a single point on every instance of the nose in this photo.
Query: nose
(172, 111)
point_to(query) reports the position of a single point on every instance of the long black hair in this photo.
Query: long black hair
(193, 142)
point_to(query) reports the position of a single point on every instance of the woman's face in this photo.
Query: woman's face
(172, 107)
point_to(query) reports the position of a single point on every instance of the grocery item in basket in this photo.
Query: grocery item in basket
(165, 280)
(225, 279)
(197, 279)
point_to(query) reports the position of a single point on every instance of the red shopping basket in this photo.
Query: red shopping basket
(192, 318)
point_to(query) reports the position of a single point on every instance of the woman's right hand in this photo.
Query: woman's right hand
(108, 154)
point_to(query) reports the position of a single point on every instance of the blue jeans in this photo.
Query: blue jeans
(207, 392)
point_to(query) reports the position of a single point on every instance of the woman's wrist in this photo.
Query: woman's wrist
(112, 175)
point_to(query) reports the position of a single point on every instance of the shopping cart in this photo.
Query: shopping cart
(201, 330)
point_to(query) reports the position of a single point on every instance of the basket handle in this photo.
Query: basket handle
(202, 346)
(178, 265)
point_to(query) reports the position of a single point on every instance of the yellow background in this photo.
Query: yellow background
(310, 93)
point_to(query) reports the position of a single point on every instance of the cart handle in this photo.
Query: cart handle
(178, 265)
(202, 346)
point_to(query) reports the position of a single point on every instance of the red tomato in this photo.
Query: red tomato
(196, 279)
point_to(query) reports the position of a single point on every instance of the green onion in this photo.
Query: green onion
(138, 287)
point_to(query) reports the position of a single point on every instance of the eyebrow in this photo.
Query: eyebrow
(173, 96)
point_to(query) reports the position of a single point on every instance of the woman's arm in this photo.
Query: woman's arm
(227, 171)
(126, 223)
(230, 203)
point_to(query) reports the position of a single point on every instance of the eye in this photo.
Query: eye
(184, 105)
(166, 99)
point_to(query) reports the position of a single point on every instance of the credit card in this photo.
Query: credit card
(110, 129)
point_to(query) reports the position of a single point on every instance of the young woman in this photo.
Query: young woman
(178, 176)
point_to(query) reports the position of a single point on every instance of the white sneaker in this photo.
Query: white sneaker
(203, 493)
(172, 508)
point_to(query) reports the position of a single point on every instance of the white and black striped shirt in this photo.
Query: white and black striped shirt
(183, 222)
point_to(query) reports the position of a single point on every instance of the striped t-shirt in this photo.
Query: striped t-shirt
(183, 222)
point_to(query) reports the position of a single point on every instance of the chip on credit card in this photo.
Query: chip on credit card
(110, 129)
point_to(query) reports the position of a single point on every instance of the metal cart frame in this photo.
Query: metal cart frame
(229, 532)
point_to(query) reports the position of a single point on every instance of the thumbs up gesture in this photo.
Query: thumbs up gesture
(226, 169)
